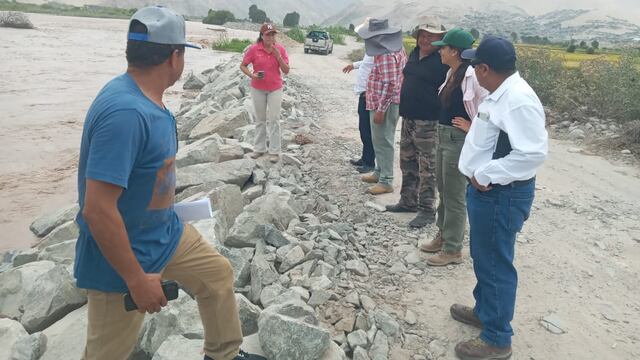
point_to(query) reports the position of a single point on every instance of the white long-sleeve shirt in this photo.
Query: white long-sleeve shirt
(364, 67)
(515, 109)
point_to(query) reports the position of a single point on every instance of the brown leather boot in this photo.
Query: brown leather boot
(445, 258)
(465, 315)
(370, 178)
(477, 349)
(434, 246)
(379, 189)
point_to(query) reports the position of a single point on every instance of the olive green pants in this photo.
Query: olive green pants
(452, 210)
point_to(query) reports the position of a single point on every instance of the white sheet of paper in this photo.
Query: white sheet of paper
(194, 210)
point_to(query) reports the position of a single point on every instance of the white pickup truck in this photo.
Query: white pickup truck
(319, 42)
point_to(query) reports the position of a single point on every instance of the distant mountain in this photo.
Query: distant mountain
(311, 11)
(497, 17)
(608, 21)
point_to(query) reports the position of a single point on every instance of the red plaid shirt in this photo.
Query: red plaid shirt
(385, 81)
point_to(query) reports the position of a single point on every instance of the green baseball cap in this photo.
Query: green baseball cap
(456, 38)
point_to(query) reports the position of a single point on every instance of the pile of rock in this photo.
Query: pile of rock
(15, 19)
(294, 262)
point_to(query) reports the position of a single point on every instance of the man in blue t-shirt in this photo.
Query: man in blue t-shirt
(130, 237)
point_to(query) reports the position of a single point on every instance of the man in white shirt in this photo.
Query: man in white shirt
(366, 163)
(505, 146)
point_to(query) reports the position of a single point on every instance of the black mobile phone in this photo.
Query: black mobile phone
(169, 288)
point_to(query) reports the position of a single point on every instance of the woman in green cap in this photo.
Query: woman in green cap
(459, 96)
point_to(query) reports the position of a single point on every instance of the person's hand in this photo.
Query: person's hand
(276, 53)
(479, 187)
(378, 117)
(254, 76)
(147, 293)
(461, 123)
(347, 69)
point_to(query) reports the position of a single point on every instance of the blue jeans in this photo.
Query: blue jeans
(495, 217)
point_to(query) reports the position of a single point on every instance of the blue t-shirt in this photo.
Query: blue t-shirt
(129, 141)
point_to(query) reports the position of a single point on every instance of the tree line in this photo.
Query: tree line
(256, 15)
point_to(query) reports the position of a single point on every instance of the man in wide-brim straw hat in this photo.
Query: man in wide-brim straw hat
(420, 111)
(384, 43)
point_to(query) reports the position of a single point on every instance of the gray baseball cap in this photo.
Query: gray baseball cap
(163, 27)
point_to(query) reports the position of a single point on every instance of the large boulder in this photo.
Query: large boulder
(231, 172)
(229, 201)
(30, 348)
(49, 221)
(64, 232)
(15, 19)
(249, 315)
(67, 337)
(263, 273)
(287, 334)
(193, 82)
(274, 208)
(11, 333)
(38, 294)
(179, 347)
(240, 260)
(62, 253)
(223, 123)
(205, 150)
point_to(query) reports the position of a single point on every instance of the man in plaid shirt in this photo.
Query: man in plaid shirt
(383, 98)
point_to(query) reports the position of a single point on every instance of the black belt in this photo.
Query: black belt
(516, 183)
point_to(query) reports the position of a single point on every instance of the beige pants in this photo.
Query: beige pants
(267, 105)
(113, 333)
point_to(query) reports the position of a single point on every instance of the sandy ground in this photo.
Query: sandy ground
(578, 255)
(49, 78)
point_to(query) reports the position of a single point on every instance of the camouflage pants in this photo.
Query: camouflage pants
(418, 143)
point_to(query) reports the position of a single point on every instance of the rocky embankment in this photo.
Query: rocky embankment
(302, 268)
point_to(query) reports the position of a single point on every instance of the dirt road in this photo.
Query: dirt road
(578, 256)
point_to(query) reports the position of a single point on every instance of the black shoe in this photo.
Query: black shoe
(365, 169)
(243, 356)
(400, 208)
(423, 219)
(355, 162)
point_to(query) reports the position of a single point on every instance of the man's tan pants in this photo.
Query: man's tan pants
(113, 333)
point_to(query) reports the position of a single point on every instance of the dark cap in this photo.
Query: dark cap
(268, 28)
(494, 51)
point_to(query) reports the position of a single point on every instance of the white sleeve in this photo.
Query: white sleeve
(525, 126)
(357, 64)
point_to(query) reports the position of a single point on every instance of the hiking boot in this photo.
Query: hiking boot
(379, 189)
(242, 356)
(355, 162)
(477, 349)
(445, 258)
(400, 208)
(274, 158)
(370, 178)
(365, 169)
(423, 219)
(256, 154)
(435, 245)
(465, 314)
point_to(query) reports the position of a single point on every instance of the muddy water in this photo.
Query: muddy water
(48, 78)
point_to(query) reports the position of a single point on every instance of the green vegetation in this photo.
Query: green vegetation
(68, 10)
(296, 34)
(218, 17)
(607, 86)
(257, 15)
(292, 19)
(233, 45)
